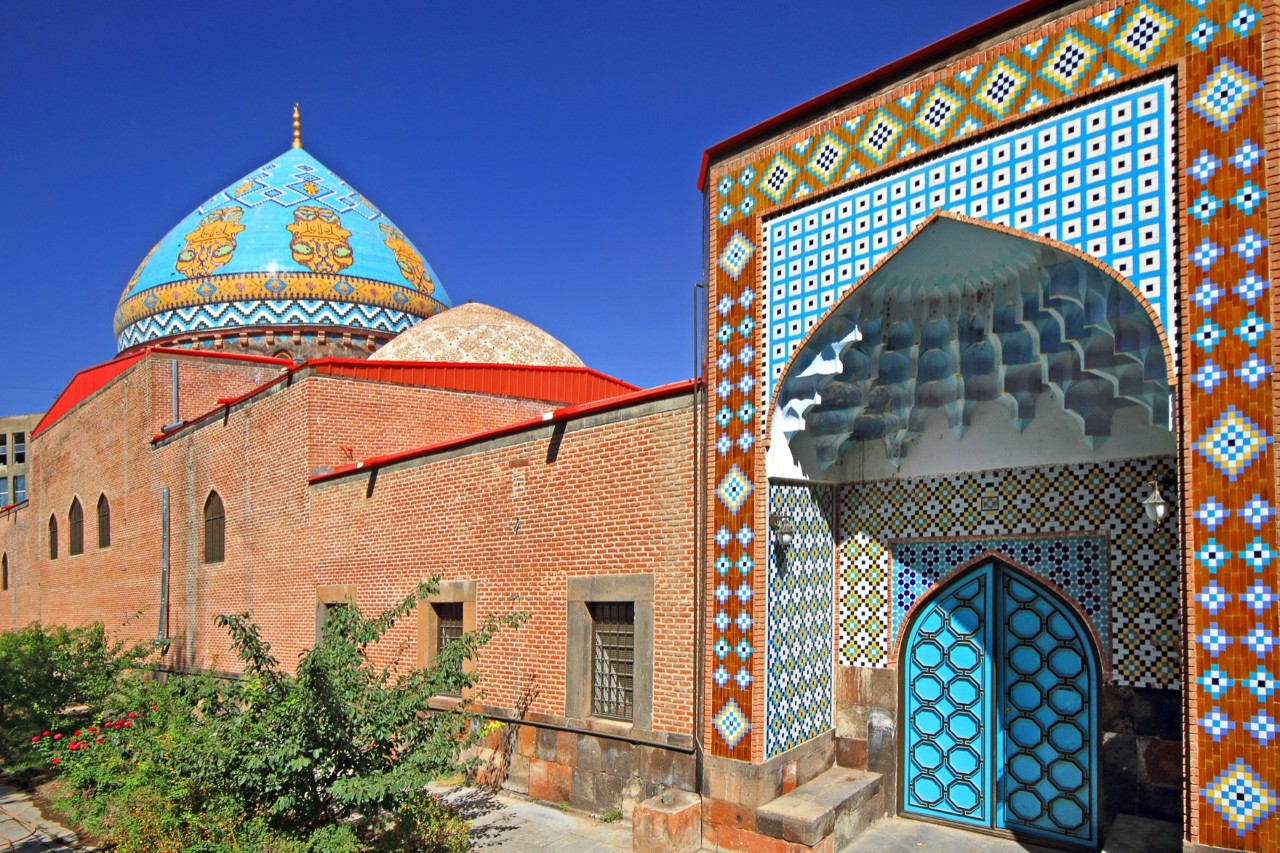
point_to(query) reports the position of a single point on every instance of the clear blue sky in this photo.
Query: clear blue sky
(543, 156)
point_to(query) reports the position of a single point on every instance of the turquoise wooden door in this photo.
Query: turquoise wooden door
(999, 709)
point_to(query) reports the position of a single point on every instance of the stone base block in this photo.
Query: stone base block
(667, 827)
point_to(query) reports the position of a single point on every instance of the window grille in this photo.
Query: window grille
(19, 448)
(613, 655)
(448, 629)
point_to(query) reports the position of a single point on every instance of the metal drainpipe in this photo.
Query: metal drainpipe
(162, 629)
(173, 393)
(699, 489)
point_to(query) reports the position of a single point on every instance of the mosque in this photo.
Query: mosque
(971, 517)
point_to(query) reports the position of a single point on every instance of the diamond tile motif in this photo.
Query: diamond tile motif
(777, 177)
(731, 723)
(1069, 61)
(881, 135)
(1224, 94)
(1144, 33)
(1241, 796)
(1232, 444)
(826, 160)
(733, 489)
(735, 255)
(939, 111)
(1000, 88)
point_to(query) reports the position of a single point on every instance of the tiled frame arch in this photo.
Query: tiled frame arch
(1215, 49)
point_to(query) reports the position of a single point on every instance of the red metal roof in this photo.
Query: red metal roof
(536, 382)
(873, 79)
(90, 380)
(562, 414)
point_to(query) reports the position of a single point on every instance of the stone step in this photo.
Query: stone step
(841, 802)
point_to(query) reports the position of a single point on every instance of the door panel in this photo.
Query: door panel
(948, 679)
(999, 709)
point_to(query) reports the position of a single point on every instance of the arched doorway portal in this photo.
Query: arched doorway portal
(999, 716)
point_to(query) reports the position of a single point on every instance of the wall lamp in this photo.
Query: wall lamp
(780, 522)
(1155, 506)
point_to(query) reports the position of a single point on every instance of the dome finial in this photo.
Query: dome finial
(297, 127)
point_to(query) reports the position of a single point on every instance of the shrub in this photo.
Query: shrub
(44, 671)
(332, 757)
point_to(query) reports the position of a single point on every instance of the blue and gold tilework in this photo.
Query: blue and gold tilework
(290, 243)
(1099, 178)
(800, 633)
(1079, 526)
(1089, 51)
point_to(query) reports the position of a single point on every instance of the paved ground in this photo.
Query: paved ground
(1126, 835)
(505, 823)
(24, 830)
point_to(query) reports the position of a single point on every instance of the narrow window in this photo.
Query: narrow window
(53, 537)
(75, 528)
(19, 488)
(4, 448)
(4, 491)
(613, 646)
(104, 522)
(215, 529)
(4, 572)
(19, 448)
(448, 628)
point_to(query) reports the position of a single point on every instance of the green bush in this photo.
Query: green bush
(332, 757)
(48, 674)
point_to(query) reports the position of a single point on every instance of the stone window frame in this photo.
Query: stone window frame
(637, 589)
(329, 596)
(451, 592)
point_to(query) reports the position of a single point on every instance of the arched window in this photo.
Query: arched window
(53, 537)
(104, 522)
(4, 571)
(75, 525)
(215, 529)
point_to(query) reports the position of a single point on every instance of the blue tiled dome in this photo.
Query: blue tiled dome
(289, 246)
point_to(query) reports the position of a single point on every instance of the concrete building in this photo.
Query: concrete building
(14, 432)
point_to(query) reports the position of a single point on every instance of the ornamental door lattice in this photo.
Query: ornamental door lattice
(999, 709)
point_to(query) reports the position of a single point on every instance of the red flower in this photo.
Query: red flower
(127, 724)
(35, 738)
(56, 759)
(58, 736)
(155, 707)
(46, 734)
(77, 733)
(97, 740)
(132, 715)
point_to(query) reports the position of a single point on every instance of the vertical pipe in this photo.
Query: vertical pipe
(173, 378)
(162, 629)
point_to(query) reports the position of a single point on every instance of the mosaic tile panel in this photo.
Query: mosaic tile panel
(732, 584)
(1076, 564)
(1099, 178)
(799, 633)
(1134, 606)
(1230, 599)
(1087, 52)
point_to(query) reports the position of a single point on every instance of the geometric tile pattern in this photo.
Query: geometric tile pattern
(1075, 563)
(800, 633)
(1098, 178)
(248, 314)
(1079, 526)
(1230, 600)
(1215, 47)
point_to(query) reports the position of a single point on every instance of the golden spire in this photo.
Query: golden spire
(297, 127)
